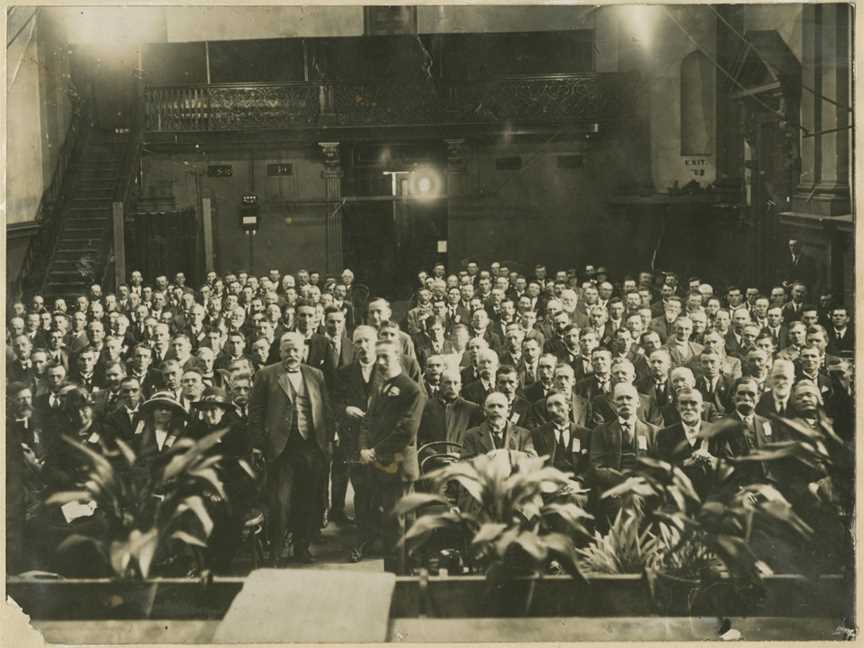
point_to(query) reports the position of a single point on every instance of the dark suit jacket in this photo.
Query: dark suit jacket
(601, 409)
(806, 271)
(781, 339)
(520, 411)
(766, 432)
(660, 326)
(579, 412)
(118, 426)
(721, 397)
(393, 422)
(350, 390)
(476, 392)
(606, 455)
(321, 357)
(534, 392)
(433, 425)
(844, 345)
(478, 440)
(672, 446)
(270, 406)
(574, 458)
(767, 406)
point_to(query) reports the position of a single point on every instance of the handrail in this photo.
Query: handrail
(42, 243)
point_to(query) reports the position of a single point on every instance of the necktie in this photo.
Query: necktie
(560, 434)
(626, 434)
(54, 401)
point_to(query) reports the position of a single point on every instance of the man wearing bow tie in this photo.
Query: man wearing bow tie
(20, 369)
(290, 420)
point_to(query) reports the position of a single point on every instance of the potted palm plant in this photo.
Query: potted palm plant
(149, 516)
(516, 521)
(703, 562)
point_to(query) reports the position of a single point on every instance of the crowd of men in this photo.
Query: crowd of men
(321, 386)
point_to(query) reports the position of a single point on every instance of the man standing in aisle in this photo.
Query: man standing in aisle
(289, 418)
(388, 445)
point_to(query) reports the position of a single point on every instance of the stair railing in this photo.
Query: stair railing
(33, 272)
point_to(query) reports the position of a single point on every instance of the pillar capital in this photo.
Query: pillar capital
(455, 155)
(330, 151)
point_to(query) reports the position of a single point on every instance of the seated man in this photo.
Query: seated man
(507, 382)
(487, 367)
(682, 378)
(564, 442)
(496, 432)
(448, 416)
(680, 443)
(563, 383)
(616, 445)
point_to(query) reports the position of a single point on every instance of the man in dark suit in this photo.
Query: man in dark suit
(20, 370)
(800, 267)
(125, 421)
(715, 387)
(683, 444)
(777, 327)
(545, 382)
(565, 443)
(507, 382)
(290, 417)
(496, 432)
(841, 335)
(332, 350)
(388, 446)
(487, 366)
(616, 445)
(793, 309)
(563, 382)
(664, 325)
(448, 416)
(749, 432)
(775, 401)
(355, 386)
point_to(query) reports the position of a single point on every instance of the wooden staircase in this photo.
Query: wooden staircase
(82, 246)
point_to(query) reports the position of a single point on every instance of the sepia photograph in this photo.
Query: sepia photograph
(430, 323)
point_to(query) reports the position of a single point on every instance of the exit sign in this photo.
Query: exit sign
(220, 171)
(281, 169)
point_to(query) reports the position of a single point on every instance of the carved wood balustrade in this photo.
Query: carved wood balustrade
(572, 98)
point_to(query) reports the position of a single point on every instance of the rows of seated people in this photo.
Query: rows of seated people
(591, 374)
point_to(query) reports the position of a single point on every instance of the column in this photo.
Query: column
(457, 187)
(119, 243)
(824, 182)
(332, 175)
(455, 167)
(207, 225)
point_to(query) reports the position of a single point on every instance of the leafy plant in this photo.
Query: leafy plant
(146, 510)
(698, 530)
(518, 515)
(625, 549)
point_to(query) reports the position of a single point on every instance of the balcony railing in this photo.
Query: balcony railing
(575, 98)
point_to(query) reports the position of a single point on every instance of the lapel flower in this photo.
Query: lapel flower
(393, 391)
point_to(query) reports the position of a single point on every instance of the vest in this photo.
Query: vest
(301, 415)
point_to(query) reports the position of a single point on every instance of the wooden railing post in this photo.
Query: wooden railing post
(119, 244)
